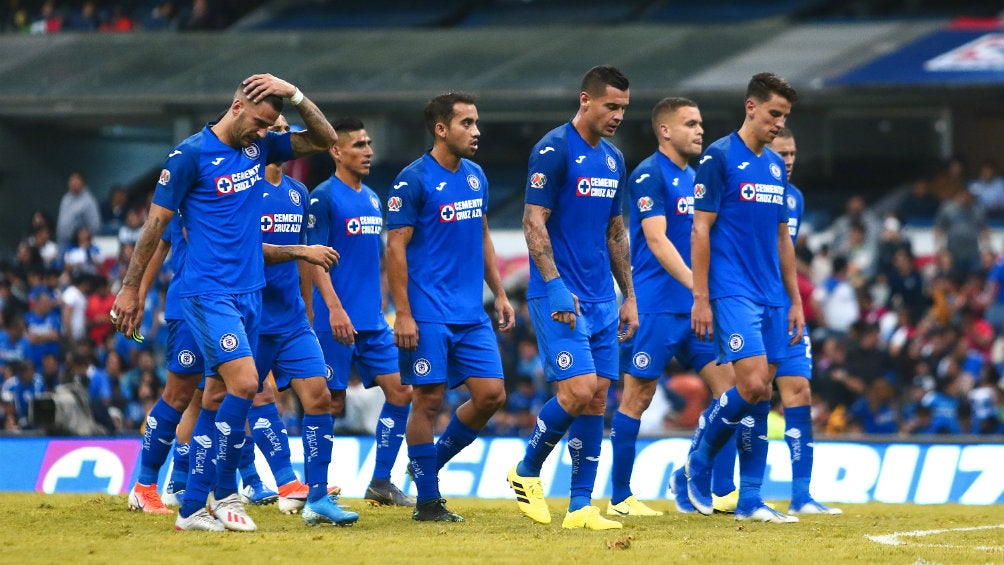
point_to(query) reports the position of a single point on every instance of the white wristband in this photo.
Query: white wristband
(296, 98)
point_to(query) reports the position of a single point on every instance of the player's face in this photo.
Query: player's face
(280, 125)
(685, 130)
(785, 147)
(604, 114)
(767, 118)
(462, 133)
(252, 121)
(354, 152)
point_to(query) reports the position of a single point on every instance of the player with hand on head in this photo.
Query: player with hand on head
(743, 263)
(437, 223)
(575, 233)
(347, 302)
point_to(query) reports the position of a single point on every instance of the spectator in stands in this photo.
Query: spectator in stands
(43, 325)
(130, 230)
(950, 180)
(867, 358)
(906, 285)
(48, 20)
(988, 186)
(890, 241)
(82, 256)
(78, 208)
(857, 212)
(84, 19)
(41, 240)
(113, 211)
(74, 305)
(99, 306)
(51, 370)
(919, 206)
(838, 299)
(985, 402)
(118, 22)
(163, 17)
(199, 18)
(24, 385)
(14, 343)
(875, 413)
(961, 229)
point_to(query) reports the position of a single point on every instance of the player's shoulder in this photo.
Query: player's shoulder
(555, 141)
(295, 184)
(323, 187)
(648, 168)
(413, 170)
(795, 191)
(187, 151)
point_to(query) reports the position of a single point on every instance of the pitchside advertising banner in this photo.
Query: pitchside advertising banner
(843, 472)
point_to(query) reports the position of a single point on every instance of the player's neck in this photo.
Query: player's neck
(750, 140)
(222, 132)
(350, 180)
(446, 158)
(673, 155)
(273, 174)
(590, 137)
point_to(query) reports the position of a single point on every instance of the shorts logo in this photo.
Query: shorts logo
(186, 358)
(165, 177)
(564, 360)
(329, 373)
(791, 202)
(747, 191)
(229, 342)
(641, 360)
(775, 171)
(538, 180)
(611, 164)
(294, 197)
(474, 183)
(394, 203)
(700, 190)
(375, 202)
(645, 203)
(735, 342)
(422, 367)
(251, 151)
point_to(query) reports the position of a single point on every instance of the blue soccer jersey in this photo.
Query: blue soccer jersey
(351, 222)
(445, 255)
(660, 188)
(175, 235)
(579, 184)
(283, 222)
(796, 208)
(747, 192)
(217, 188)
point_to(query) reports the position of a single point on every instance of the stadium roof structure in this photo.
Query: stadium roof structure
(517, 71)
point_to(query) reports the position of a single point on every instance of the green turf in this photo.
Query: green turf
(72, 529)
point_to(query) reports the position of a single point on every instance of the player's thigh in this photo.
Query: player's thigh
(659, 338)
(428, 363)
(602, 319)
(337, 359)
(376, 355)
(474, 352)
(565, 353)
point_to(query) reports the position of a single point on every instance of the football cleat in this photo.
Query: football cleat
(171, 496)
(145, 498)
(813, 507)
(727, 503)
(699, 486)
(678, 486)
(630, 506)
(385, 493)
(530, 496)
(764, 513)
(292, 497)
(434, 511)
(588, 517)
(231, 513)
(200, 520)
(325, 511)
(257, 493)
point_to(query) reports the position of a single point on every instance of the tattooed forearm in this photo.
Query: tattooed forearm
(620, 255)
(278, 253)
(538, 241)
(320, 136)
(145, 248)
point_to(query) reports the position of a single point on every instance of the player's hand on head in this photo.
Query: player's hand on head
(257, 87)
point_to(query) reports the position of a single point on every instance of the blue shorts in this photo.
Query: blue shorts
(183, 354)
(373, 354)
(746, 329)
(450, 354)
(798, 363)
(590, 348)
(660, 337)
(294, 354)
(224, 325)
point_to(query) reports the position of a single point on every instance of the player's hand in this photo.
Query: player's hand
(702, 320)
(405, 332)
(257, 87)
(341, 327)
(796, 323)
(321, 255)
(507, 316)
(628, 320)
(126, 313)
(563, 303)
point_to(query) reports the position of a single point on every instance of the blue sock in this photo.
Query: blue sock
(798, 434)
(389, 435)
(552, 423)
(157, 440)
(270, 436)
(202, 463)
(752, 445)
(316, 454)
(423, 465)
(723, 470)
(721, 424)
(702, 424)
(623, 435)
(246, 467)
(456, 437)
(179, 469)
(585, 452)
(230, 421)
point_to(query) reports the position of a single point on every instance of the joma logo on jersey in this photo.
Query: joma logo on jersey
(237, 182)
(364, 225)
(281, 223)
(462, 210)
(599, 187)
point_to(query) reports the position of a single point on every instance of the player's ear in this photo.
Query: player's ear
(441, 129)
(750, 105)
(584, 100)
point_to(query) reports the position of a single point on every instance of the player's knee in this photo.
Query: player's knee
(178, 397)
(488, 402)
(399, 395)
(754, 390)
(337, 405)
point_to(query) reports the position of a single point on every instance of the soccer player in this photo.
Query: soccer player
(662, 212)
(575, 234)
(743, 261)
(212, 180)
(795, 370)
(436, 225)
(347, 304)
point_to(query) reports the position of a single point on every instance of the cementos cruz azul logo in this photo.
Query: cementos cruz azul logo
(88, 466)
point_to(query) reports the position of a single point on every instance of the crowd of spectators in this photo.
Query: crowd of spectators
(904, 344)
(111, 16)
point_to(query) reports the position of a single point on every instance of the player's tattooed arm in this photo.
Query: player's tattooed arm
(320, 255)
(620, 255)
(538, 241)
(319, 135)
(127, 311)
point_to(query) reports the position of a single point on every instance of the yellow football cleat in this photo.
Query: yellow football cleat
(727, 503)
(630, 506)
(588, 518)
(530, 497)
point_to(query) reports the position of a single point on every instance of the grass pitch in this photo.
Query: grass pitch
(64, 528)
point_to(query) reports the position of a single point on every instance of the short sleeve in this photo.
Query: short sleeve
(546, 173)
